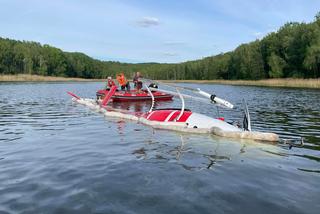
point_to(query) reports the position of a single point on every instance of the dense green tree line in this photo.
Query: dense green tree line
(292, 51)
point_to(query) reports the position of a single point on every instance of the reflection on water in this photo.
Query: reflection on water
(60, 157)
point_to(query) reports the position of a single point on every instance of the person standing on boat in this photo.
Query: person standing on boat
(137, 81)
(124, 84)
(110, 83)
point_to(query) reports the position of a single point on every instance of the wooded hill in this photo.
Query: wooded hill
(292, 51)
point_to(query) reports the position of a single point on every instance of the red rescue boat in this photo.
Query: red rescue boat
(133, 95)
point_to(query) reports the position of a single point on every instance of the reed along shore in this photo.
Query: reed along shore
(38, 78)
(285, 82)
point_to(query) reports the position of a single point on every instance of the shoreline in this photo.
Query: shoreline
(287, 82)
(38, 78)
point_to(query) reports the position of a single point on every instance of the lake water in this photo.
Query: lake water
(59, 157)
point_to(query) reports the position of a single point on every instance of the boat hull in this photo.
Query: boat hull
(133, 96)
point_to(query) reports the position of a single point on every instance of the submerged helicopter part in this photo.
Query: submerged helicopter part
(188, 122)
(183, 119)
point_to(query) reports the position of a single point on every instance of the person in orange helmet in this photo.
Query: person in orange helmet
(124, 84)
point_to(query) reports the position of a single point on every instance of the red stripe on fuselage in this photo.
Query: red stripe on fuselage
(161, 115)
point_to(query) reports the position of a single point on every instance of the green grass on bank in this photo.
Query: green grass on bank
(288, 82)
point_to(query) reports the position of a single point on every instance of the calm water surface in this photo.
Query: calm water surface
(59, 157)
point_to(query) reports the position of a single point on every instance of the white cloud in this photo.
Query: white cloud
(148, 22)
(169, 54)
(174, 43)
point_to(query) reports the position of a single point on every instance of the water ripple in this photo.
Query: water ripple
(59, 157)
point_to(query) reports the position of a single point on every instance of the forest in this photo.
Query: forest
(292, 51)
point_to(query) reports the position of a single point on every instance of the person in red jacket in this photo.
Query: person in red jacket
(110, 83)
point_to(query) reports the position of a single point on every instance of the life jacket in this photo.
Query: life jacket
(122, 80)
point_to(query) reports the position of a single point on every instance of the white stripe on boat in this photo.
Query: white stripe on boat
(149, 115)
(169, 116)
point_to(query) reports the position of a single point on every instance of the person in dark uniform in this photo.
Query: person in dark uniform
(137, 81)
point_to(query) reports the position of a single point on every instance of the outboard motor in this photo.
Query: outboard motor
(153, 85)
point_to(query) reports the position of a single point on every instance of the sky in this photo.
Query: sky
(135, 31)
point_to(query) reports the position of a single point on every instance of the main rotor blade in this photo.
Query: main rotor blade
(211, 97)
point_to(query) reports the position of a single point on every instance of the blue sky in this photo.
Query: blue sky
(149, 30)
